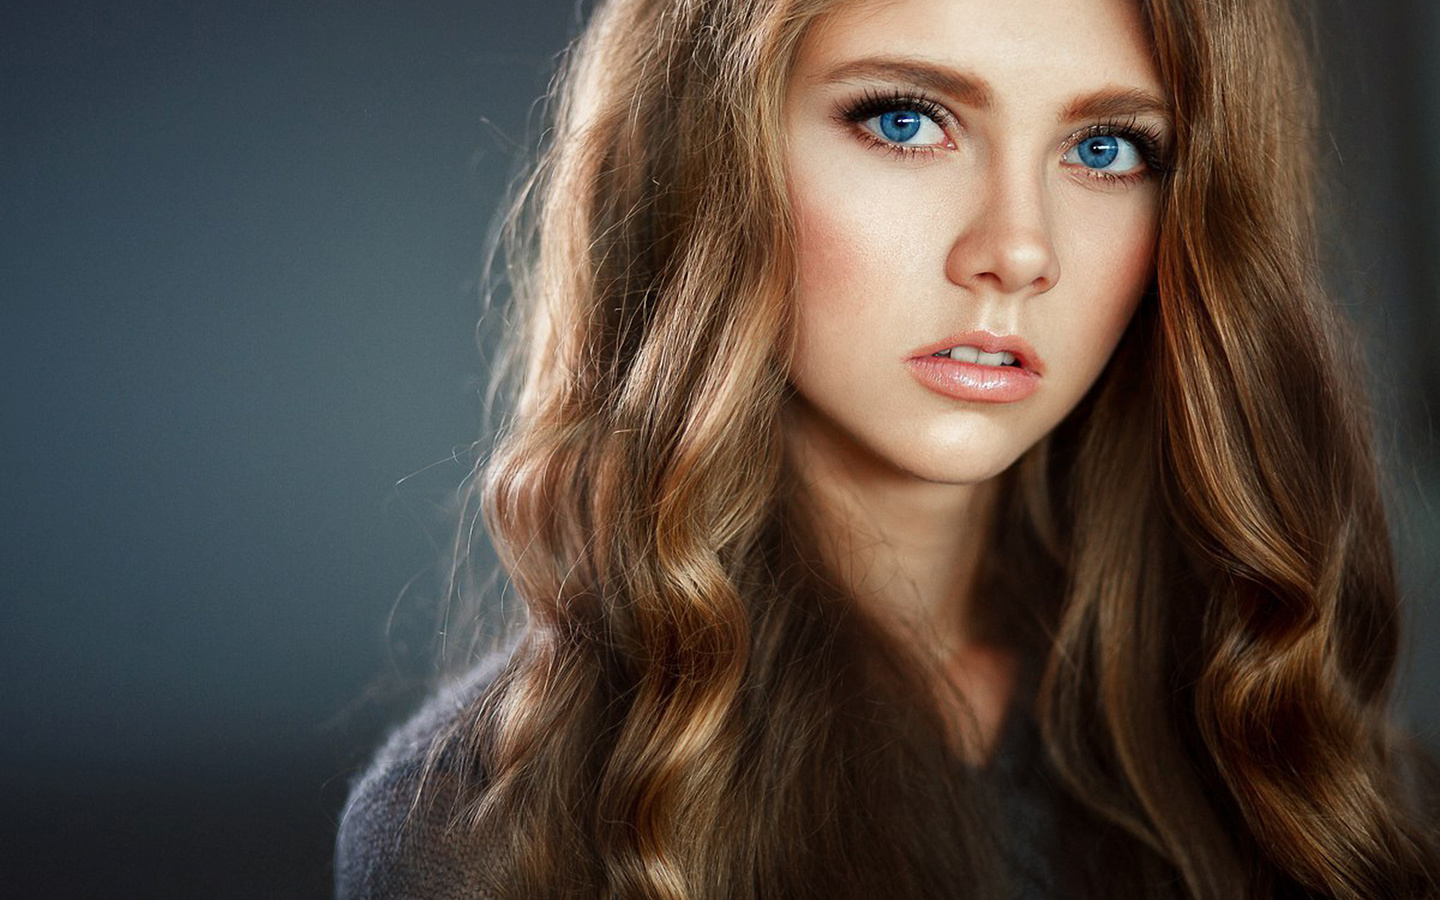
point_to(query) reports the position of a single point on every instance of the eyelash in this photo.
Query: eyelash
(872, 103)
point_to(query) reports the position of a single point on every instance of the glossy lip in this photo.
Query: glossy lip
(978, 383)
(1024, 354)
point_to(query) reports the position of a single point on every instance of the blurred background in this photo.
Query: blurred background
(240, 251)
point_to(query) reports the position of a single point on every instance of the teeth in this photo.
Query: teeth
(975, 355)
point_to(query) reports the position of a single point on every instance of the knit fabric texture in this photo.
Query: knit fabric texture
(377, 857)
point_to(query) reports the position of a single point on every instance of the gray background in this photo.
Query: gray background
(239, 252)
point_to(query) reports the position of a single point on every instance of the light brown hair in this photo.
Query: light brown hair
(696, 710)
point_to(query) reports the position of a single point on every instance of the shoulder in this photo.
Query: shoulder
(389, 845)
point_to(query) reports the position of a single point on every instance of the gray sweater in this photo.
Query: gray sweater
(377, 859)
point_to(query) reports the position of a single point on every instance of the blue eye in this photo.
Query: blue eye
(902, 126)
(1106, 153)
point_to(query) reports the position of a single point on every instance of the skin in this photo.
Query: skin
(987, 225)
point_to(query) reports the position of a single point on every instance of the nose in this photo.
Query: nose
(1005, 245)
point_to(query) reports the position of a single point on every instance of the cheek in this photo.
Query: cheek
(832, 247)
(831, 257)
(1116, 264)
(851, 238)
(855, 220)
(1133, 260)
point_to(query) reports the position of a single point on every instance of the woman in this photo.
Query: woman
(934, 473)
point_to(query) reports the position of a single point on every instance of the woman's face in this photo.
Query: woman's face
(959, 168)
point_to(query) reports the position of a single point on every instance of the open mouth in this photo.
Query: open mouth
(984, 348)
(971, 354)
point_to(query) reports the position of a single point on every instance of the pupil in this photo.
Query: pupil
(900, 126)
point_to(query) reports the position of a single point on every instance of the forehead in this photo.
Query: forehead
(1075, 45)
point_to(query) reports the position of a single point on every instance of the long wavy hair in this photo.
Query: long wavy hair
(694, 707)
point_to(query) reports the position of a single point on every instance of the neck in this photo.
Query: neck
(906, 548)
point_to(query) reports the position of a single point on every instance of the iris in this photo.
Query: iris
(901, 125)
(1100, 151)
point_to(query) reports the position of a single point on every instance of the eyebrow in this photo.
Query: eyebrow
(968, 89)
(1111, 102)
(974, 91)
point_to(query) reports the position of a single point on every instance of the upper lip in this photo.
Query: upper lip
(988, 343)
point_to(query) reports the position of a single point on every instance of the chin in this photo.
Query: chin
(962, 467)
(968, 461)
(964, 450)
(965, 456)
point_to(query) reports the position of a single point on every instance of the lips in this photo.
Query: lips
(974, 382)
(987, 342)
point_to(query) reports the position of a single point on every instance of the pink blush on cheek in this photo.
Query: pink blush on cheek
(830, 248)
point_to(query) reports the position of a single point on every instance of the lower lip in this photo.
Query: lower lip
(972, 381)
